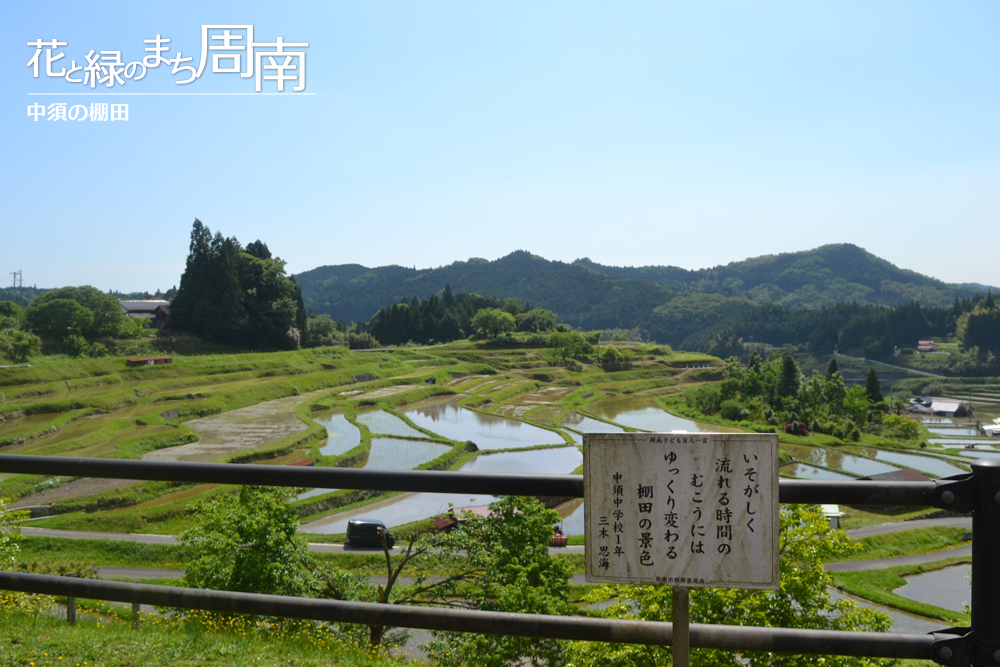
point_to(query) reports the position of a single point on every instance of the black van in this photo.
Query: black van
(368, 533)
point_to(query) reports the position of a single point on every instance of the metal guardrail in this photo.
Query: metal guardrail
(978, 492)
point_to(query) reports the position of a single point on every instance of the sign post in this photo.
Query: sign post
(682, 509)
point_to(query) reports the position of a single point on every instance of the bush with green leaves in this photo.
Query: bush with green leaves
(802, 601)
(502, 563)
(18, 346)
(10, 533)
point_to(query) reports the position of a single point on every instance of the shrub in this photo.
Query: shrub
(730, 410)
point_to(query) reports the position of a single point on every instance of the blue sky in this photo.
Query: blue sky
(691, 134)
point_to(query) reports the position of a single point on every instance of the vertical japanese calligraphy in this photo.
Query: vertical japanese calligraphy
(698, 509)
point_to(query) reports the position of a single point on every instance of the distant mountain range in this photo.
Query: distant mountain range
(668, 302)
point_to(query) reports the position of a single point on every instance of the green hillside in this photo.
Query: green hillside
(669, 303)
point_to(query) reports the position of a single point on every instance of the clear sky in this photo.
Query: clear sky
(683, 133)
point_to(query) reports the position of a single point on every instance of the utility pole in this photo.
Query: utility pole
(17, 284)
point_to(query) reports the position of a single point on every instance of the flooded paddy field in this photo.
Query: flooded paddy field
(448, 419)
(954, 430)
(379, 421)
(342, 435)
(410, 507)
(806, 471)
(948, 588)
(584, 424)
(642, 412)
(838, 460)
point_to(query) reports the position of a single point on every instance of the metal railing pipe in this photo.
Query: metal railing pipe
(570, 486)
(729, 638)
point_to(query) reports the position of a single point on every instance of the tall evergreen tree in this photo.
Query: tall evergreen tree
(832, 367)
(873, 388)
(790, 378)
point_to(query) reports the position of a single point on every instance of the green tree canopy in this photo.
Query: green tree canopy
(492, 322)
(236, 296)
(55, 319)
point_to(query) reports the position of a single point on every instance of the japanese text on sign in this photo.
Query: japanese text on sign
(230, 49)
(697, 509)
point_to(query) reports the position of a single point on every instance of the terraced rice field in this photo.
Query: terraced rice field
(379, 421)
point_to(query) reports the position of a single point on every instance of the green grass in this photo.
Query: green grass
(32, 637)
(906, 542)
(51, 550)
(859, 517)
(877, 586)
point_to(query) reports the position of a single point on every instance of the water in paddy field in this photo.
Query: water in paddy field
(343, 436)
(578, 422)
(954, 430)
(935, 420)
(643, 413)
(934, 466)
(383, 423)
(958, 443)
(448, 419)
(948, 588)
(396, 454)
(806, 471)
(838, 460)
(415, 506)
(902, 622)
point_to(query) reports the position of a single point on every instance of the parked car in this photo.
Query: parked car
(368, 533)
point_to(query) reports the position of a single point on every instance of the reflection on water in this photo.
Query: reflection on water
(415, 506)
(393, 454)
(902, 623)
(583, 424)
(378, 421)
(487, 431)
(643, 413)
(934, 466)
(954, 430)
(838, 460)
(343, 436)
(973, 455)
(806, 471)
(947, 588)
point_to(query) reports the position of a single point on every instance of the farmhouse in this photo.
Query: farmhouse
(151, 309)
(926, 346)
(928, 405)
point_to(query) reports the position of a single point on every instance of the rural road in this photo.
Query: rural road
(963, 551)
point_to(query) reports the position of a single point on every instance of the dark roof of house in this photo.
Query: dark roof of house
(146, 306)
(905, 475)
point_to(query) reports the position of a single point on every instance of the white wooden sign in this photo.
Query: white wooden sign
(691, 509)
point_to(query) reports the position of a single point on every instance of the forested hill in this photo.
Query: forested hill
(809, 279)
(669, 303)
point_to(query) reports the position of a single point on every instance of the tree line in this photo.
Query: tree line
(871, 330)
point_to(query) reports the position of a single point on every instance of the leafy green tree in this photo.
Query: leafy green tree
(873, 388)
(503, 563)
(247, 542)
(492, 322)
(569, 344)
(801, 601)
(17, 346)
(832, 367)
(105, 313)
(856, 404)
(536, 320)
(54, 319)
(11, 315)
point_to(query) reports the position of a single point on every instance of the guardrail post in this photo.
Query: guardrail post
(985, 572)
(71, 610)
(135, 614)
